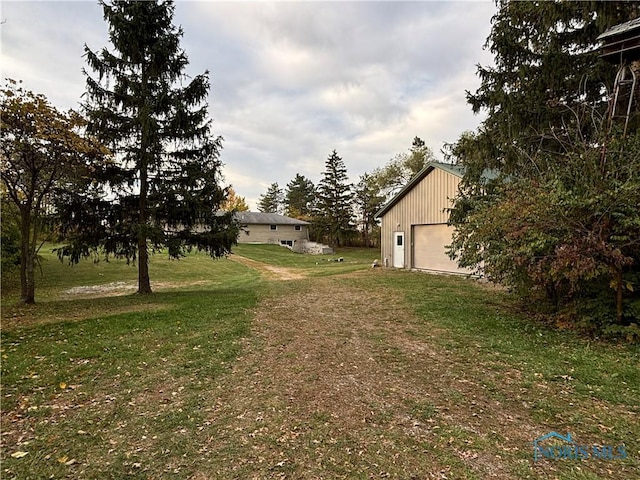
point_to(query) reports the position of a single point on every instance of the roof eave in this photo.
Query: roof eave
(426, 170)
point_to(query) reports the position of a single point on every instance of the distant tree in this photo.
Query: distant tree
(41, 147)
(402, 168)
(272, 200)
(300, 197)
(334, 209)
(234, 203)
(368, 200)
(166, 184)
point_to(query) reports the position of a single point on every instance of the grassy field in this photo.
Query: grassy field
(280, 365)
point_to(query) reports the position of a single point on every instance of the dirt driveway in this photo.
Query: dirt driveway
(337, 383)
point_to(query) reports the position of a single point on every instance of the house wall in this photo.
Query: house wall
(423, 204)
(263, 234)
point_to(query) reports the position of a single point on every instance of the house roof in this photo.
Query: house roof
(259, 218)
(456, 170)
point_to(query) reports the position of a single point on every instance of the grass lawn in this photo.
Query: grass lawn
(342, 372)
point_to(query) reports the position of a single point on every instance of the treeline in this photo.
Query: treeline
(342, 213)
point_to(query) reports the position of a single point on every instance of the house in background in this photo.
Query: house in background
(414, 232)
(271, 228)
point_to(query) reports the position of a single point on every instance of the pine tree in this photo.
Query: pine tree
(546, 65)
(300, 197)
(334, 209)
(368, 199)
(166, 179)
(271, 201)
(544, 202)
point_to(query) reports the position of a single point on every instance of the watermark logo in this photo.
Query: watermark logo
(554, 446)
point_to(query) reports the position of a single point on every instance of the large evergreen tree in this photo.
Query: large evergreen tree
(300, 197)
(271, 201)
(547, 64)
(166, 182)
(545, 203)
(334, 209)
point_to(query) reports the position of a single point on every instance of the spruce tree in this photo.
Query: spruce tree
(165, 180)
(546, 64)
(300, 197)
(544, 202)
(271, 201)
(334, 210)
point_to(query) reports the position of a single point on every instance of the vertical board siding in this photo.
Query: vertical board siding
(423, 204)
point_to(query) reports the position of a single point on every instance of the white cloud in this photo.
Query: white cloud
(291, 81)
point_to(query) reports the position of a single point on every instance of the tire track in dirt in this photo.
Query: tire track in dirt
(332, 385)
(269, 271)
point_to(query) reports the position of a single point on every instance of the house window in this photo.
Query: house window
(288, 243)
(273, 227)
(298, 228)
(399, 240)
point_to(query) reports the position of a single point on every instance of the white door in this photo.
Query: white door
(398, 249)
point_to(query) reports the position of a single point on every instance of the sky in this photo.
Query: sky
(290, 81)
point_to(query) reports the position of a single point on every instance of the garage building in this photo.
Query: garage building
(414, 222)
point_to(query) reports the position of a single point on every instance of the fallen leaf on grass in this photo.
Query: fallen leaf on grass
(19, 454)
(63, 385)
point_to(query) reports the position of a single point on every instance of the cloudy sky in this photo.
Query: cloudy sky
(291, 81)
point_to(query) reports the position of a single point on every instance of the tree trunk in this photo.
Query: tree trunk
(619, 297)
(27, 259)
(144, 283)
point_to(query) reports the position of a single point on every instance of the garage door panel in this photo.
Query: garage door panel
(429, 242)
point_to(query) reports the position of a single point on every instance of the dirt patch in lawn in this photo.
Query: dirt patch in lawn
(271, 272)
(336, 384)
(124, 288)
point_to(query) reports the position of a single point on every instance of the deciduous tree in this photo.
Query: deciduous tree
(41, 147)
(402, 168)
(234, 202)
(368, 200)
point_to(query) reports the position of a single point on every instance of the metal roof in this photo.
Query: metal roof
(621, 42)
(259, 218)
(620, 29)
(456, 170)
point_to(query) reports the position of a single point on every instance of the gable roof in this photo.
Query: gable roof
(259, 218)
(456, 170)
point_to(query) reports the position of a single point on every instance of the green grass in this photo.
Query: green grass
(563, 381)
(129, 372)
(127, 386)
(344, 260)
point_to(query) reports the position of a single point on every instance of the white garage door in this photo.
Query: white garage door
(429, 242)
